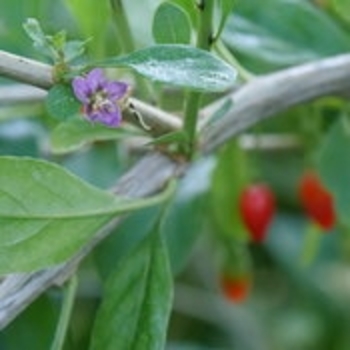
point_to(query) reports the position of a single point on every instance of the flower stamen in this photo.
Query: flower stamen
(102, 99)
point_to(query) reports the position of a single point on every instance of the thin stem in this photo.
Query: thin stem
(205, 32)
(65, 315)
(190, 121)
(222, 51)
(311, 244)
(121, 22)
(126, 41)
(192, 104)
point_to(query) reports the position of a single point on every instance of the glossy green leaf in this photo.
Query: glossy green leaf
(189, 7)
(137, 301)
(47, 214)
(334, 167)
(271, 34)
(61, 103)
(178, 65)
(229, 177)
(77, 132)
(176, 22)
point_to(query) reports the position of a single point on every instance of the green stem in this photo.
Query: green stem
(190, 122)
(192, 103)
(127, 43)
(223, 52)
(121, 22)
(310, 245)
(65, 315)
(205, 32)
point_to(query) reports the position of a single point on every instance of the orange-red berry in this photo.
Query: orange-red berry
(236, 289)
(257, 208)
(316, 200)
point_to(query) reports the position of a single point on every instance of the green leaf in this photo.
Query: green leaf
(74, 49)
(181, 226)
(190, 8)
(229, 177)
(137, 301)
(77, 132)
(40, 40)
(176, 22)
(61, 103)
(58, 40)
(36, 325)
(178, 65)
(271, 34)
(47, 214)
(56, 46)
(34, 31)
(334, 167)
(126, 237)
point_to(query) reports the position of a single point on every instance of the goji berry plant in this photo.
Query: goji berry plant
(144, 146)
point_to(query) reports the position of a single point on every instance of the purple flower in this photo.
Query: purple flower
(102, 99)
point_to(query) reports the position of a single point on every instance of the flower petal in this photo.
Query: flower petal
(116, 89)
(110, 116)
(96, 80)
(81, 89)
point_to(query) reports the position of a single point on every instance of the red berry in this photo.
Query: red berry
(316, 200)
(236, 289)
(257, 208)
